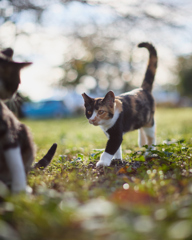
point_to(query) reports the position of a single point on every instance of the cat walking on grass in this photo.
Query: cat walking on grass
(133, 110)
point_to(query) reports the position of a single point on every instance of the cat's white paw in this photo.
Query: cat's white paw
(105, 160)
(103, 163)
(118, 154)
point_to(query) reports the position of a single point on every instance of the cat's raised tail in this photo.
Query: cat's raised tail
(44, 162)
(151, 67)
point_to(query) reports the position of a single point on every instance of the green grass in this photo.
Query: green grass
(135, 200)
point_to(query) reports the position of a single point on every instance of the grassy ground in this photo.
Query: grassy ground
(134, 200)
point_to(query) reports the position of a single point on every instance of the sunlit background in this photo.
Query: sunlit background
(91, 46)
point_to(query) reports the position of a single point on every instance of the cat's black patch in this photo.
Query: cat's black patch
(3, 127)
(115, 137)
(98, 103)
(10, 145)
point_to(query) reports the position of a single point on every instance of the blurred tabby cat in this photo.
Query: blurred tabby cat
(117, 115)
(17, 149)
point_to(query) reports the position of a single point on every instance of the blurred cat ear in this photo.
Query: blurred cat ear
(109, 99)
(16, 65)
(23, 64)
(86, 98)
(8, 52)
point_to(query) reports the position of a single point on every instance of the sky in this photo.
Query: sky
(46, 46)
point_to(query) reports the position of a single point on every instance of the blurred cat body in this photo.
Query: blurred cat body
(117, 115)
(17, 150)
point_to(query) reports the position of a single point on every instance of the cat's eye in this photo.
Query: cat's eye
(89, 112)
(100, 112)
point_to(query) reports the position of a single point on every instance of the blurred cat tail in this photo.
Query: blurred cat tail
(45, 161)
(151, 67)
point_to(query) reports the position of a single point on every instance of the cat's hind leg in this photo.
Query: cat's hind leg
(15, 164)
(142, 139)
(150, 134)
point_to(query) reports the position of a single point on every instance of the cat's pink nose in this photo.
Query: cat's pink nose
(92, 121)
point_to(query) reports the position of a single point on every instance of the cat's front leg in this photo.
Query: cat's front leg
(15, 164)
(113, 147)
(118, 154)
(105, 159)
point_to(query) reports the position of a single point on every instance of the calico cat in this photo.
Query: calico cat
(133, 110)
(17, 149)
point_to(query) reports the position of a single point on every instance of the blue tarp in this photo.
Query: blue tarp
(45, 109)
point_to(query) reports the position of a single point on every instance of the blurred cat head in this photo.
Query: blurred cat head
(9, 73)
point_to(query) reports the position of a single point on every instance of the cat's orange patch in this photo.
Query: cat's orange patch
(133, 104)
(99, 98)
(118, 105)
(106, 110)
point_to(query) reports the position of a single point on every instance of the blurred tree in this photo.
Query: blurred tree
(106, 51)
(185, 76)
(158, 11)
(99, 62)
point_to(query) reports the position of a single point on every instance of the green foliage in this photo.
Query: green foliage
(136, 199)
(185, 76)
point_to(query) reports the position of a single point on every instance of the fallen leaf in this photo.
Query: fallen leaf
(123, 196)
(126, 170)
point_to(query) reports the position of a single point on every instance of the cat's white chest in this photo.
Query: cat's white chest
(105, 131)
(104, 128)
(109, 123)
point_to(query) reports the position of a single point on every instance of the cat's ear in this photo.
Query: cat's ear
(109, 99)
(86, 98)
(22, 64)
(8, 52)
(17, 65)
